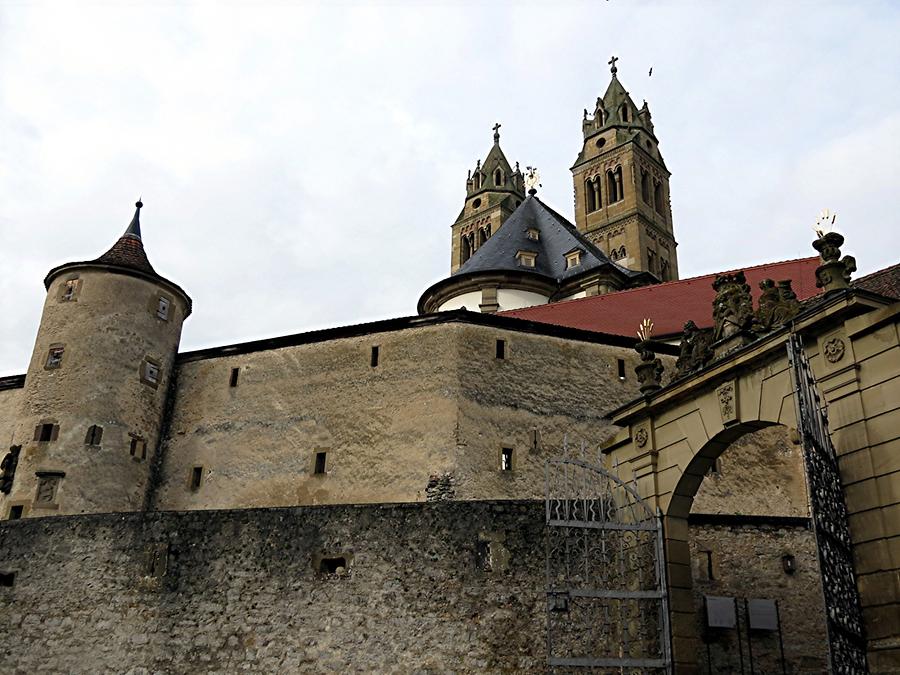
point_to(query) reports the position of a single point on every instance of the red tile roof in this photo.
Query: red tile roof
(886, 281)
(668, 305)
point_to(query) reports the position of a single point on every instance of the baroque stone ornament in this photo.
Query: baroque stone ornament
(641, 437)
(695, 350)
(727, 402)
(777, 305)
(650, 370)
(8, 469)
(834, 272)
(834, 349)
(732, 306)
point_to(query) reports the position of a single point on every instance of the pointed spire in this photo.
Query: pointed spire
(134, 229)
(128, 251)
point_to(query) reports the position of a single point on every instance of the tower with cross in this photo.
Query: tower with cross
(494, 189)
(622, 185)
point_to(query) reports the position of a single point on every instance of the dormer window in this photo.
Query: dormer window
(533, 233)
(573, 259)
(526, 258)
(498, 177)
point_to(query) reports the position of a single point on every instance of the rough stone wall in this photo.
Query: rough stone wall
(242, 591)
(761, 473)
(747, 563)
(107, 331)
(384, 429)
(560, 388)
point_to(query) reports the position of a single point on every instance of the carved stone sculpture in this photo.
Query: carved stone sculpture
(8, 469)
(733, 305)
(777, 305)
(695, 351)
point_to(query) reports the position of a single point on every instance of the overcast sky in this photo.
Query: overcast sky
(301, 164)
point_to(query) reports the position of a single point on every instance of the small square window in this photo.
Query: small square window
(15, 512)
(151, 373)
(162, 308)
(320, 463)
(46, 432)
(506, 459)
(69, 290)
(54, 357)
(138, 448)
(533, 233)
(573, 259)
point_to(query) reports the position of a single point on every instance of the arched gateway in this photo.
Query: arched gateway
(831, 374)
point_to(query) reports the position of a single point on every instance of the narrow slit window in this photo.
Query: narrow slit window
(15, 512)
(506, 459)
(621, 365)
(138, 448)
(320, 463)
(235, 372)
(708, 555)
(501, 349)
(94, 435)
(374, 357)
(196, 477)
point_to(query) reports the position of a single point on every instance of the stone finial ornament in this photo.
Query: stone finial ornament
(834, 272)
(532, 179)
(695, 350)
(650, 370)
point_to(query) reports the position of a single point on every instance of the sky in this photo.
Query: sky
(301, 164)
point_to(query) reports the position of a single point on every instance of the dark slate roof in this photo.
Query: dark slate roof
(557, 237)
(128, 251)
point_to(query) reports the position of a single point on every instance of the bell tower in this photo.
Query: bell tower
(622, 185)
(493, 191)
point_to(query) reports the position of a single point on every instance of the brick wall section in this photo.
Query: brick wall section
(241, 593)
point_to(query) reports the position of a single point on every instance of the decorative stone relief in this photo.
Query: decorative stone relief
(733, 305)
(834, 349)
(777, 305)
(695, 350)
(641, 437)
(727, 397)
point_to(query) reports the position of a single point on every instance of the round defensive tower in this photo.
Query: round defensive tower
(97, 384)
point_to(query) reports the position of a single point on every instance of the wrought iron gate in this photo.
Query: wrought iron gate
(846, 641)
(607, 608)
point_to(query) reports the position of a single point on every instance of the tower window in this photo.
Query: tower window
(465, 249)
(506, 459)
(651, 261)
(645, 187)
(498, 177)
(614, 185)
(150, 373)
(162, 308)
(138, 448)
(196, 477)
(320, 463)
(590, 196)
(94, 434)
(601, 141)
(69, 290)
(501, 349)
(623, 112)
(235, 373)
(483, 234)
(658, 198)
(620, 364)
(46, 432)
(476, 203)
(15, 512)
(54, 357)
(374, 358)
(664, 269)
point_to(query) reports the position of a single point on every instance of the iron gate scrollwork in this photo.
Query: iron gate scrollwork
(846, 641)
(607, 609)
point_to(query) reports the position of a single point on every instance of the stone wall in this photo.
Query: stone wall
(746, 563)
(242, 590)
(439, 402)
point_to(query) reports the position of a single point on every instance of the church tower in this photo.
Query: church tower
(493, 191)
(622, 185)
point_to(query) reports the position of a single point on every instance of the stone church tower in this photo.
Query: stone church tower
(622, 186)
(493, 191)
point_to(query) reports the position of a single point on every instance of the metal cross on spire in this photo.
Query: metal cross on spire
(497, 132)
(612, 65)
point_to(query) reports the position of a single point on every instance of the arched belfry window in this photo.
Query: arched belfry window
(483, 235)
(498, 177)
(590, 196)
(477, 180)
(465, 249)
(658, 198)
(614, 185)
(645, 187)
(623, 112)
